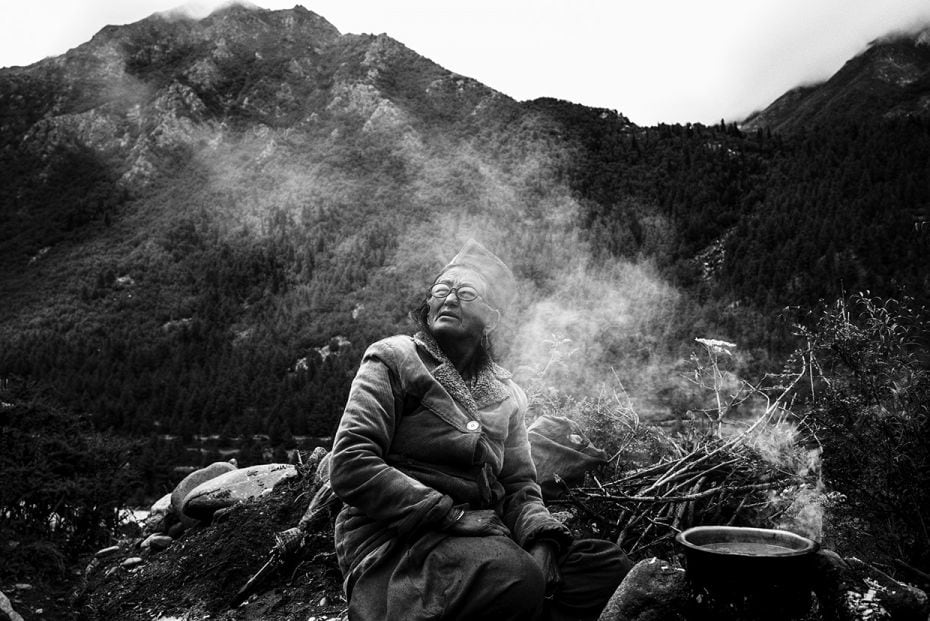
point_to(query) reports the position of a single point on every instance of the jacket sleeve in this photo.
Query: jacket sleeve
(360, 476)
(523, 510)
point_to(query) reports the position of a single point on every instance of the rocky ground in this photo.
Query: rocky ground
(264, 551)
(202, 571)
(199, 575)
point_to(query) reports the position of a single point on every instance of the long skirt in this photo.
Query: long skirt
(486, 578)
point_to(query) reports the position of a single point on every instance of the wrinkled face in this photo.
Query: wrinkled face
(453, 318)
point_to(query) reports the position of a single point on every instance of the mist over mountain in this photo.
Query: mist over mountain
(889, 80)
(204, 222)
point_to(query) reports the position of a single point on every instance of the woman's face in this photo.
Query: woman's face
(453, 318)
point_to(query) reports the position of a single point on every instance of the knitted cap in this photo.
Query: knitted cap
(495, 272)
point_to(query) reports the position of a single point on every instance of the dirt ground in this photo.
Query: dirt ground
(200, 574)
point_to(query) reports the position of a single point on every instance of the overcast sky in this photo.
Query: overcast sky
(672, 61)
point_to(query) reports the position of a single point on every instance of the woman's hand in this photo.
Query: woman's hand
(546, 556)
(479, 523)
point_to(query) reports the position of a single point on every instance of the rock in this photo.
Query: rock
(155, 522)
(833, 578)
(233, 487)
(850, 590)
(6, 608)
(191, 481)
(131, 562)
(652, 591)
(106, 551)
(176, 530)
(901, 601)
(156, 542)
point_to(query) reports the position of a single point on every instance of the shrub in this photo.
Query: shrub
(62, 486)
(871, 409)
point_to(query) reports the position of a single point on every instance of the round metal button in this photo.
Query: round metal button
(472, 425)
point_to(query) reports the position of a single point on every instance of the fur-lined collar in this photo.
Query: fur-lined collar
(489, 386)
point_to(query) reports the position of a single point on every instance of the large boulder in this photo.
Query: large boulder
(652, 591)
(850, 590)
(191, 481)
(233, 487)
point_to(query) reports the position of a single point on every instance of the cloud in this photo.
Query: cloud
(795, 43)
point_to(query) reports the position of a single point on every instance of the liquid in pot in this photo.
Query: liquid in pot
(747, 548)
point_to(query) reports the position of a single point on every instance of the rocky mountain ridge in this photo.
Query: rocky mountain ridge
(139, 94)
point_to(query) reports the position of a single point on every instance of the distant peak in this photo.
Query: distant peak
(198, 9)
(236, 6)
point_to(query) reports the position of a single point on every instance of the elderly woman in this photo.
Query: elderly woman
(443, 518)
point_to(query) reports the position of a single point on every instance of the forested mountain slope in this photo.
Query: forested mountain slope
(193, 211)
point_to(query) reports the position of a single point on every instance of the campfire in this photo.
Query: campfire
(759, 474)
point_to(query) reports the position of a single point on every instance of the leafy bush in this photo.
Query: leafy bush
(870, 407)
(62, 486)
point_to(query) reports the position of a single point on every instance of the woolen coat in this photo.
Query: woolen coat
(415, 440)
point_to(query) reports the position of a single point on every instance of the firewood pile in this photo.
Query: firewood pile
(757, 476)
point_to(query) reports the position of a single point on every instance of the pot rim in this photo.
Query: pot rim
(807, 546)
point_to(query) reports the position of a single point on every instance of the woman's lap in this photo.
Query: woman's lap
(451, 578)
(443, 577)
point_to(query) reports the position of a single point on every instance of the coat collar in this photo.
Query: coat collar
(490, 381)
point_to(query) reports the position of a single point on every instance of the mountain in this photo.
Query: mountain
(890, 79)
(221, 198)
(137, 102)
(203, 223)
(241, 122)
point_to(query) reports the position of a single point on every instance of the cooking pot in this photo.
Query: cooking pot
(747, 558)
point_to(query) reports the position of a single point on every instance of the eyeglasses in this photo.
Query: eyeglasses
(465, 293)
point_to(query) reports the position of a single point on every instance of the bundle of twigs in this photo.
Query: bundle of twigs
(706, 480)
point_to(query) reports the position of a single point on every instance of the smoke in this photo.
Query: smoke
(579, 320)
(371, 173)
(798, 507)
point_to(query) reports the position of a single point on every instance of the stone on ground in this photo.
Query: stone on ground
(156, 542)
(6, 609)
(191, 481)
(233, 487)
(652, 591)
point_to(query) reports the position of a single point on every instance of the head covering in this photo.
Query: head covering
(495, 272)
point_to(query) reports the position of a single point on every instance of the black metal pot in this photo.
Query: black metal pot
(747, 558)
